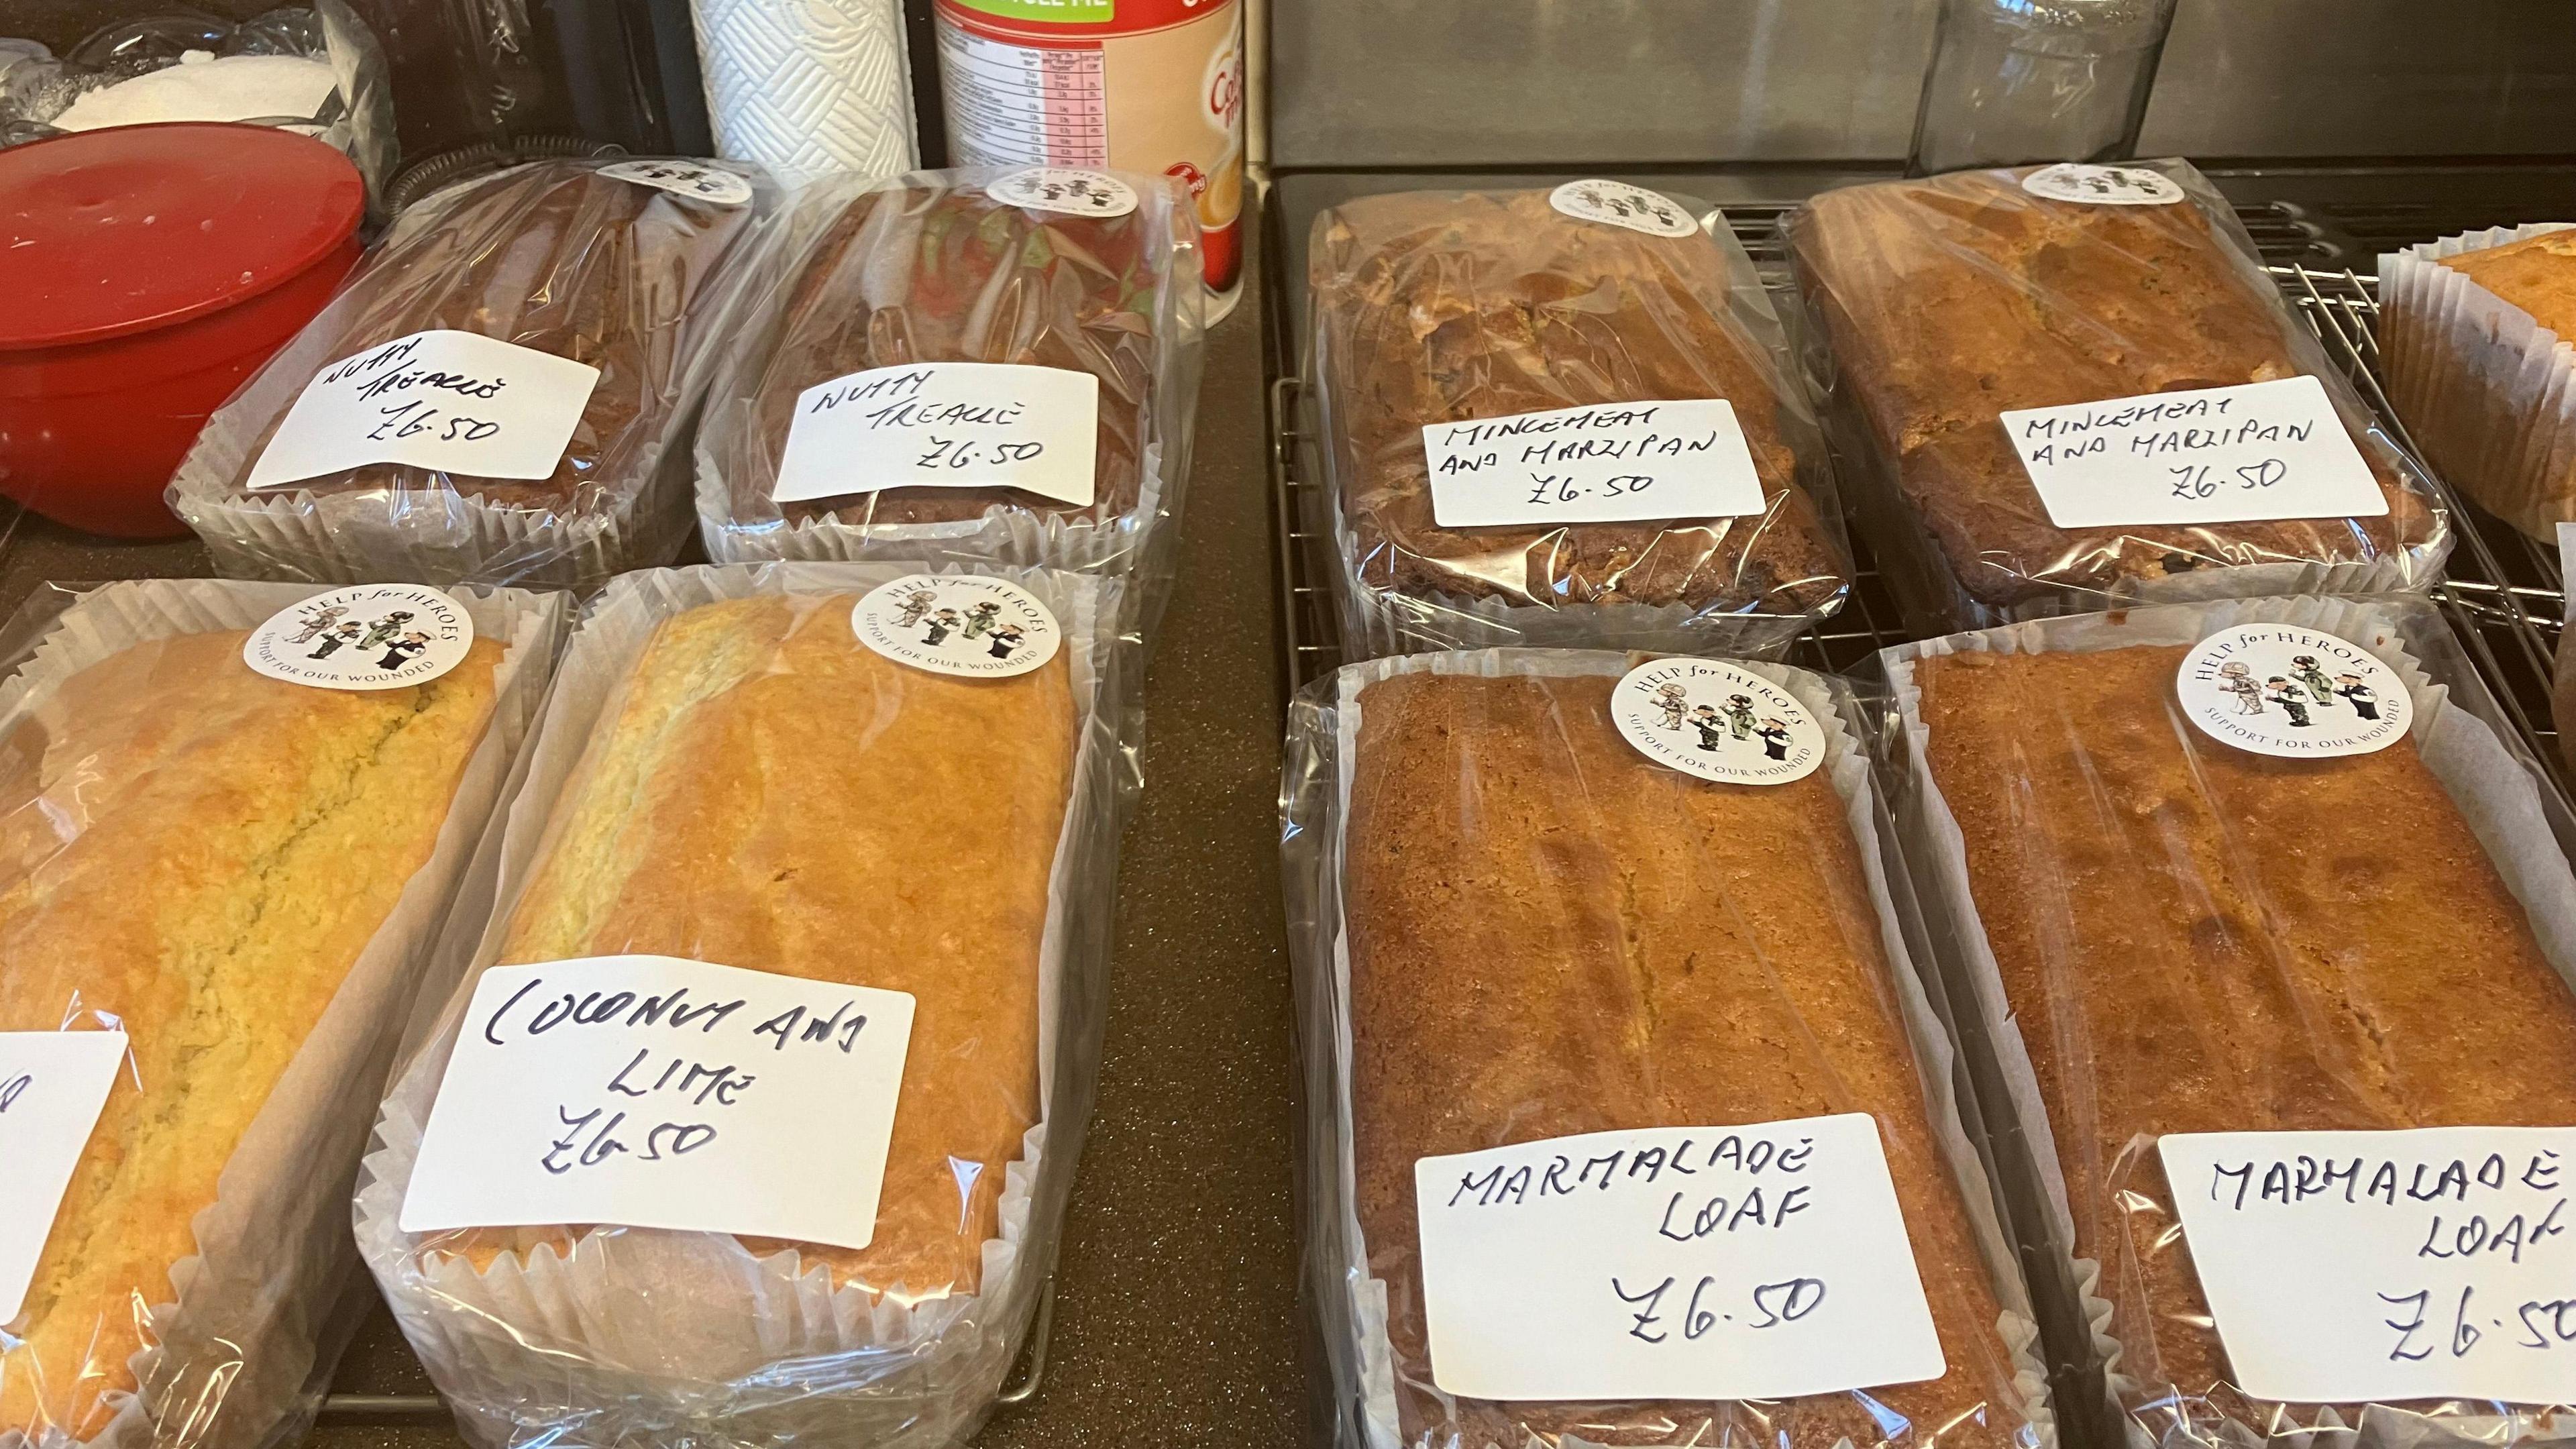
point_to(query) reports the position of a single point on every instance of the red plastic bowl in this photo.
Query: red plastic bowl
(150, 271)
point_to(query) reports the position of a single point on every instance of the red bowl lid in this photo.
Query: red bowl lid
(106, 233)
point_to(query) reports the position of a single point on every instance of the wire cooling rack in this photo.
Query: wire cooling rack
(2503, 594)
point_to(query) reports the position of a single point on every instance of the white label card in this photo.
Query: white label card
(451, 402)
(696, 180)
(53, 1085)
(1752, 1262)
(1603, 463)
(2256, 451)
(1620, 204)
(2103, 185)
(2279, 689)
(372, 636)
(2353, 1267)
(1717, 721)
(944, 425)
(660, 1093)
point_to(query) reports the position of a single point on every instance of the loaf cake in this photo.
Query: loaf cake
(200, 853)
(1949, 300)
(2196, 938)
(1433, 307)
(1549, 934)
(773, 795)
(2474, 338)
(927, 271)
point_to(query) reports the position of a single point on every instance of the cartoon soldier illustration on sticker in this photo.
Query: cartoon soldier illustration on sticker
(1739, 715)
(942, 624)
(1775, 739)
(2287, 696)
(2238, 680)
(384, 629)
(1674, 702)
(1005, 639)
(2365, 700)
(916, 607)
(399, 652)
(338, 639)
(1712, 730)
(2304, 666)
(314, 622)
(981, 619)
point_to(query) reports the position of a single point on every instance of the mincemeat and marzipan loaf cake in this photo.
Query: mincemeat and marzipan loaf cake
(1550, 934)
(1951, 299)
(774, 795)
(1433, 307)
(200, 852)
(2196, 938)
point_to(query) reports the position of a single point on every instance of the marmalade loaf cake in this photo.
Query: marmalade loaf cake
(1949, 300)
(1432, 307)
(2475, 346)
(201, 852)
(774, 795)
(2196, 938)
(1549, 934)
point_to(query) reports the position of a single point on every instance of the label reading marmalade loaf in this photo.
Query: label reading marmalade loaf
(695, 180)
(1057, 188)
(1750, 1262)
(1620, 204)
(2239, 454)
(451, 402)
(655, 1092)
(2278, 689)
(53, 1085)
(965, 624)
(1626, 462)
(2103, 185)
(369, 636)
(1717, 721)
(2357, 1267)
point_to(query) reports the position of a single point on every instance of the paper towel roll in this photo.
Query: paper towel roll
(808, 87)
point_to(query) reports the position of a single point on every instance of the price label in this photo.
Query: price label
(648, 1090)
(944, 425)
(2254, 452)
(1602, 463)
(1749, 1262)
(2351, 1267)
(53, 1085)
(453, 402)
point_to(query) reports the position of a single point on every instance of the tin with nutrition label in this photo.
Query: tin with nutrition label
(1134, 85)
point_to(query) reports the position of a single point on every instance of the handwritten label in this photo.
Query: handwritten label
(2347, 1267)
(695, 180)
(2278, 689)
(374, 636)
(661, 1093)
(453, 402)
(1717, 721)
(944, 425)
(965, 624)
(1620, 204)
(1747, 1262)
(2260, 450)
(53, 1085)
(2103, 185)
(1057, 188)
(1603, 463)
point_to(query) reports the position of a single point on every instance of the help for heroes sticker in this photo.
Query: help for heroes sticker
(53, 1085)
(695, 180)
(452, 402)
(1620, 204)
(2278, 689)
(372, 636)
(1059, 189)
(2102, 185)
(965, 624)
(1717, 721)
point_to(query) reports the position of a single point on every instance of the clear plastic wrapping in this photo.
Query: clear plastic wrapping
(725, 774)
(929, 268)
(245, 876)
(1434, 307)
(2562, 697)
(1510, 925)
(2161, 933)
(559, 257)
(2485, 385)
(1936, 304)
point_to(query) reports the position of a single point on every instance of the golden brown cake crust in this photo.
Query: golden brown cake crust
(234, 842)
(771, 794)
(1548, 935)
(2537, 274)
(2200, 939)
(1435, 307)
(1949, 300)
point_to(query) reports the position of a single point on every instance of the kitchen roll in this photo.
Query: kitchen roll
(808, 87)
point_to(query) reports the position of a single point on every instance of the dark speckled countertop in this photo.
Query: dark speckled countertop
(1176, 1318)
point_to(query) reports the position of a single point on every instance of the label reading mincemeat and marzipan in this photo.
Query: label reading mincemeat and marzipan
(2279, 689)
(964, 624)
(367, 636)
(1717, 721)
(451, 402)
(1629, 462)
(53, 1085)
(2247, 453)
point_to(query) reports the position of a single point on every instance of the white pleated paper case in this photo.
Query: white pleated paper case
(808, 87)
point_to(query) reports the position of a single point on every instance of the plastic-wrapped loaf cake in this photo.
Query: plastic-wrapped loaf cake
(1945, 302)
(239, 876)
(884, 277)
(1476, 854)
(1442, 308)
(587, 294)
(2195, 937)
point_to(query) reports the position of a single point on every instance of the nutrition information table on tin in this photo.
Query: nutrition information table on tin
(1021, 105)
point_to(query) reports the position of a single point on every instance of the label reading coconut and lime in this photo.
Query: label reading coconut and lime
(1717, 721)
(1619, 204)
(965, 624)
(1628, 462)
(53, 1085)
(2102, 185)
(451, 402)
(1061, 189)
(370, 636)
(2277, 689)
(696, 180)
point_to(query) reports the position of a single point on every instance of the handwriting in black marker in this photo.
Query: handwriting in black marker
(1650, 1297)
(1787, 1301)
(2407, 1330)
(12, 1089)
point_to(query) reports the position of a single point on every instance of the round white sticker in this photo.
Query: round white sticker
(372, 636)
(2276, 689)
(1717, 722)
(2102, 185)
(1621, 204)
(695, 180)
(957, 624)
(1075, 193)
